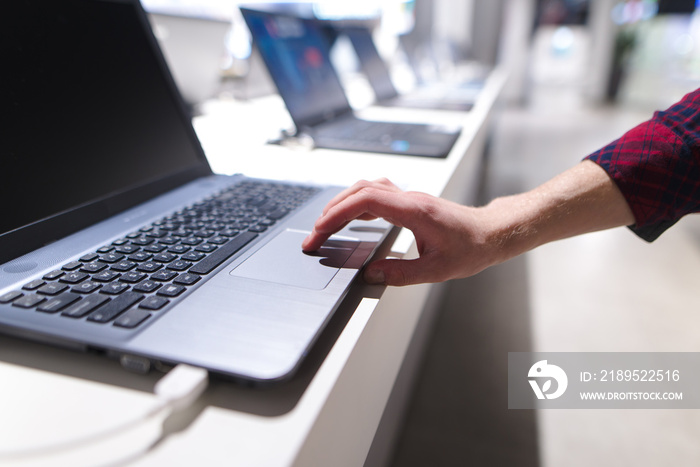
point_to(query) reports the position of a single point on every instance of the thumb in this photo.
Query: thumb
(397, 272)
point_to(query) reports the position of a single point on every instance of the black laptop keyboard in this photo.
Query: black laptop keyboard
(125, 282)
(366, 130)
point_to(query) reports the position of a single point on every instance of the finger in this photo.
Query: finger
(382, 183)
(401, 272)
(367, 203)
(315, 240)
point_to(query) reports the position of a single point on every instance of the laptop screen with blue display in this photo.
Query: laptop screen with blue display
(296, 54)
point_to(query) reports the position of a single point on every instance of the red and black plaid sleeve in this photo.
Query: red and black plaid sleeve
(656, 166)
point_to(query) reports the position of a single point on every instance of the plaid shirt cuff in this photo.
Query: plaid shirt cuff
(656, 166)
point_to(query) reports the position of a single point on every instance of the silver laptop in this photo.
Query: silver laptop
(115, 236)
(386, 93)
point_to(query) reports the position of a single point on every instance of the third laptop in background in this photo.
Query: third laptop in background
(438, 97)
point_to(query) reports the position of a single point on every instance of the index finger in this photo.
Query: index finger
(369, 202)
(382, 183)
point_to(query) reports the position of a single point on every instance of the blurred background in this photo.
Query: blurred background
(581, 72)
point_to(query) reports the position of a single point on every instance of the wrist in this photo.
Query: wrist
(510, 227)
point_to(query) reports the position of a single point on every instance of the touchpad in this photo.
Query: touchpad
(282, 261)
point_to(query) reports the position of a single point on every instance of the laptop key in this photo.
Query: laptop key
(72, 265)
(53, 275)
(85, 306)
(132, 318)
(179, 249)
(133, 277)
(124, 265)
(183, 233)
(171, 290)
(53, 288)
(241, 225)
(204, 233)
(140, 256)
(258, 200)
(128, 249)
(10, 296)
(156, 233)
(193, 256)
(155, 248)
(89, 257)
(147, 286)
(142, 241)
(229, 232)
(223, 253)
(115, 307)
(163, 275)
(277, 214)
(218, 240)
(114, 288)
(169, 226)
(192, 241)
(93, 267)
(187, 279)
(74, 277)
(164, 257)
(206, 248)
(179, 265)
(28, 301)
(86, 287)
(154, 302)
(33, 285)
(149, 266)
(56, 304)
(106, 276)
(111, 257)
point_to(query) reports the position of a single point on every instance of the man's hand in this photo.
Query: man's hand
(457, 241)
(450, 240)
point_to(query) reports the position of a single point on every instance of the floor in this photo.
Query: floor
(607, 291)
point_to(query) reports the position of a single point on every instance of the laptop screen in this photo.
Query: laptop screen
(297, 57)
(92, 124)
(372, 64)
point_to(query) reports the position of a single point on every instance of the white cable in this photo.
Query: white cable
(177, 390)
(182, 386)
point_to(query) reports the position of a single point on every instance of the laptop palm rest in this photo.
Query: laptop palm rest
(281, 261)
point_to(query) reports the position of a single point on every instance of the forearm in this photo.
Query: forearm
(581, 200)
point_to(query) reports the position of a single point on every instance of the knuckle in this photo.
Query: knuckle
(363, 184)
(400, 277)
(367, 192)
(426, 206)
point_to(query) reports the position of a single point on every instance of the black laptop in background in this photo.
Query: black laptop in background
(377, 73)
(297, 57)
